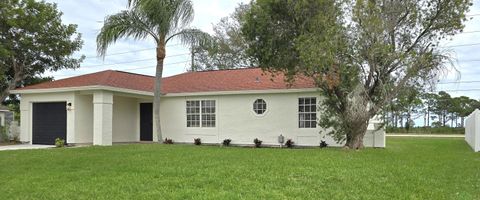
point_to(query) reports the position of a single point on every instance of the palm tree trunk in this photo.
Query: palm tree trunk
(158, 91)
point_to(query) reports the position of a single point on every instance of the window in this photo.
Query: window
(208, 113)
(193, 113)
(259, 106)
(307, 112)
(201, 113)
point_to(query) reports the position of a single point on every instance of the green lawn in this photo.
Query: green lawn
(407, 169)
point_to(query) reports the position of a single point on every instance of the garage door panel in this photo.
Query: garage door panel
(49, 122)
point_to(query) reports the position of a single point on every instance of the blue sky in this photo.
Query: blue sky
(89, 14)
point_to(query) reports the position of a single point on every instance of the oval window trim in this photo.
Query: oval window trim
(259, 107)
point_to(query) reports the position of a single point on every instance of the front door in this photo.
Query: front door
(146, 122)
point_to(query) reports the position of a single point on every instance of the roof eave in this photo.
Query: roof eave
(236, 92)
(81, 88)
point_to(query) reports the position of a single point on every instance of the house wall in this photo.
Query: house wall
(125, 123)
(472, 130)
(26, 104)
(237, 121)
(83, 118)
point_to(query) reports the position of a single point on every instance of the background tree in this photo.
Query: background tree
(160, 20)
(228, 47)
(428, 102)
(361, 56)
(442, 107)
(33, 40)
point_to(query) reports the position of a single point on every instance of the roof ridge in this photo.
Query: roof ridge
(232, 69)
(133, 73)
(212, 70)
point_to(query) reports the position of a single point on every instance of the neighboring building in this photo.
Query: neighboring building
(113, 106)
(6, 116)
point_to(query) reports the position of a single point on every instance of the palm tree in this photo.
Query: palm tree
(160, 20)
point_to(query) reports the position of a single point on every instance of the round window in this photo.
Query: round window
(259, 106)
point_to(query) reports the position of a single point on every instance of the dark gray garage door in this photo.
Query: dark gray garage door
(49, 122)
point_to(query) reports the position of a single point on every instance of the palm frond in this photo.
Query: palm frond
(128, 23)
(191, 37)
(170, 16)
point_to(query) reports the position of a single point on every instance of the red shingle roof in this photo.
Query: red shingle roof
(190, 82)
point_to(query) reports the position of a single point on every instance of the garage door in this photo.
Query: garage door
(49, 122)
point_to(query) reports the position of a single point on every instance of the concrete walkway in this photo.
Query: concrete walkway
(427, 135)
(24, 146)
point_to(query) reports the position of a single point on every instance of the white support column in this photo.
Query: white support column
(102, 118)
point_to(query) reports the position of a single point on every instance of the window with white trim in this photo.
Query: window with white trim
(307, 112)
(208, 113)
(259, 106)
(201, 113)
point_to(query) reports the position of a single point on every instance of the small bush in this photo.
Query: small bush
(14, 131)
(197, 141)
(4, 135)
(226, 142)
(59, 142)
(289, 143)
(257, 142)
(167, 141)
(323, 144)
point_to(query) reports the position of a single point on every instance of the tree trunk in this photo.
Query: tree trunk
(356, 118)
(396, 121)
(158, 90)
(428, 116)
(401, 121)
(358, 130)
(451, 123)
(462, 121)
(18, 77)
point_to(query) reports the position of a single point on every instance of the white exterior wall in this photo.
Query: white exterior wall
(26, 104)
(80, 118)
(472, 130)
(125, 123)
(236, 120)
(83, 118)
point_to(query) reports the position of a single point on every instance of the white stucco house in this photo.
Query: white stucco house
(113, 107)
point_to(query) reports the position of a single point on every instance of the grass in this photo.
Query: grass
(410, 168)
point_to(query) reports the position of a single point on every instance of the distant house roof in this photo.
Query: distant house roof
(189, 82)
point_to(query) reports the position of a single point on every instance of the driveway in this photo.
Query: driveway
(24, 146)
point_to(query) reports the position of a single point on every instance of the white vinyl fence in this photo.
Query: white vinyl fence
(472, 130)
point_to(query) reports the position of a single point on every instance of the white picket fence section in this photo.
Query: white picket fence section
(472, 130)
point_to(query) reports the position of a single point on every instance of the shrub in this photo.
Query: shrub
(226, 142)
(14, 131)
(323, 144)
(4, 135)
(167, 141)
(257, 142)
(289, 143)
(197, 141)
(59, 142)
